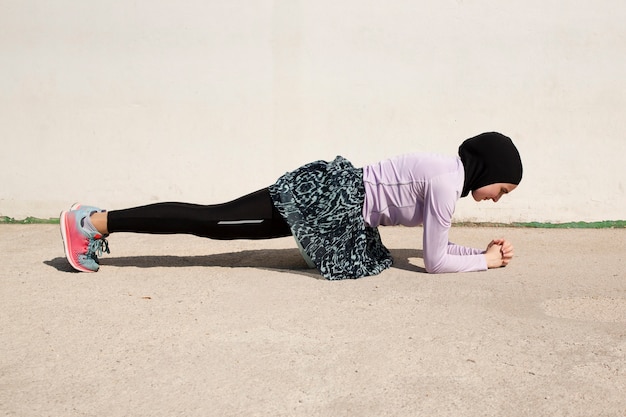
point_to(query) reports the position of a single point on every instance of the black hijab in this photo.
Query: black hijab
(489, 158)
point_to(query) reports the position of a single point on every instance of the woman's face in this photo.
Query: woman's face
(493, 192)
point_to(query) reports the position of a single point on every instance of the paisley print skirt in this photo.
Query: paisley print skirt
(322, 202)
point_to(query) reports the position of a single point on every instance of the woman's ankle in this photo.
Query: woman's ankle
(100, 222)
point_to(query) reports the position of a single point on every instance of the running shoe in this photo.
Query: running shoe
(82, 245)
(78, 206)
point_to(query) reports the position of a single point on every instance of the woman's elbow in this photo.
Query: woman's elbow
(433, 267)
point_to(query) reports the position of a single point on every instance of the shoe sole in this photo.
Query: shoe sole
(66, 244)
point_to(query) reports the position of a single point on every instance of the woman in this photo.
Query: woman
(333, 210)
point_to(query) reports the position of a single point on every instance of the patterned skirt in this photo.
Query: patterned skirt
(322, 202)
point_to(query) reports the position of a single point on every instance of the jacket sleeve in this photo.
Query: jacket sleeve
(454, 249)
(439, 202)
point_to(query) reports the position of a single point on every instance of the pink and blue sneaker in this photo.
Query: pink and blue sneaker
(82, 242)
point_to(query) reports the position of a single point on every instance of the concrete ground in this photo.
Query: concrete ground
(183, 326)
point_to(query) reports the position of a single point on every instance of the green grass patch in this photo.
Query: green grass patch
(606, 224)
(28, 220)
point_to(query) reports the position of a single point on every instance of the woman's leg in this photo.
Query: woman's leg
(84, 228)
(250, 217)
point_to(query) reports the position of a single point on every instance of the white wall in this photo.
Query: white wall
(120, 103)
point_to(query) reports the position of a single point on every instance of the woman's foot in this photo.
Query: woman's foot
(82, 242)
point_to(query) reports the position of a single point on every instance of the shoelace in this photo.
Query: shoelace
(97, 247)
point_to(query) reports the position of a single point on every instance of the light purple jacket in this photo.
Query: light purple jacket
(421, 189)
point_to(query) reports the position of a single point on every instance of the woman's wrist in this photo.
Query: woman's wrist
(493, 256)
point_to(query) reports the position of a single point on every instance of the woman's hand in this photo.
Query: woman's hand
(499, 253)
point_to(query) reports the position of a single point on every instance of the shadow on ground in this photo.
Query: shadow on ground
(271, 259)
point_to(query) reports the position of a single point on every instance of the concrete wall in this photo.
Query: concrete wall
(120, 103)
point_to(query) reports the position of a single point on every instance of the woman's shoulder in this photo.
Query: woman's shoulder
(426, 156)
(414, 167)
(427, 162)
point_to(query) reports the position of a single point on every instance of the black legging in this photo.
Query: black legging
(250, 217)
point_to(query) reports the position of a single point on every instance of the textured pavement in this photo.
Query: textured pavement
(183, 326)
